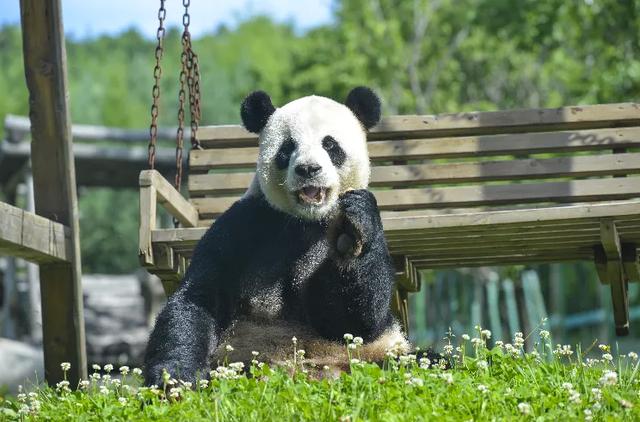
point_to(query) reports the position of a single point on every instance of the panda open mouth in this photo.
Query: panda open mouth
(313, 195)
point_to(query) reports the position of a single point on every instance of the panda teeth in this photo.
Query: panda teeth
(311, 194)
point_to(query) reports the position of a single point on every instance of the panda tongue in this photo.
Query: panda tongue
(312, 192)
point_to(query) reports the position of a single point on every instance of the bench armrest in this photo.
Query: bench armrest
(154, 189)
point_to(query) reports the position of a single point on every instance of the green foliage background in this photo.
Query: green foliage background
(422, 56)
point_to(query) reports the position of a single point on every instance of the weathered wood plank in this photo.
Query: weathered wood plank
(477, 195)
(468, 146)
(419, 174)
(54, 184)
(461, 124)
(32, 237)
(170, 198)
(148, 200)
(513, 217)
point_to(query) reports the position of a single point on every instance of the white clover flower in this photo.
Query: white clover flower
(482, 364)
(65, 366)
(228, 348)
(22, 397)
(96, 367)
(609, 378)
(116, 382)
(106, 379)
(24, 409)
(607, 357)
(499, 344)
(588, 415)
(104, 390)
(63, 386)
(35, 406)
(108, 368)
(633, 355)
(404, 360)
(122, 400)
(84, 384)
(358, 341)
(33, 395)
(203, 383)
(137, 371)
(348, 336)
(485, 334)
(355, 361)
(94, 377)
(544, 334)
(465, 337)
(254, 353)
(301, 353)
(174, 393)
(326, 368)
(425, 363)
(483, 388)
(524, 408)
(597, 394)
(124, 370)
(604, 347)
(567, 386)
(415, 382)
(352, 346)
(574, 397)
(448, 349)
(186, 384)
(237, 366)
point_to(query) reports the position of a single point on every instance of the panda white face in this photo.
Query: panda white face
(311, 150)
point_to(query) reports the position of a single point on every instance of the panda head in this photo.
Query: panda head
(311, 149)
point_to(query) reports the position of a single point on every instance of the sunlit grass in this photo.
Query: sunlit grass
(551, 382)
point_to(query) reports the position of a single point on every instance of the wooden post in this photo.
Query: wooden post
(54, 184)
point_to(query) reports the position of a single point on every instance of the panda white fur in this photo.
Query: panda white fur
(302, 253)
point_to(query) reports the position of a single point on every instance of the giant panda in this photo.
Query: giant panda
(302, 253)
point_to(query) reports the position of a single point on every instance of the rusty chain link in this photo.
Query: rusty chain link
(155, 92)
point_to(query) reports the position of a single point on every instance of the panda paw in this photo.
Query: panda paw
(359, 222)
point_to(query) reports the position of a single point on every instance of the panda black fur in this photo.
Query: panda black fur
(302, 253)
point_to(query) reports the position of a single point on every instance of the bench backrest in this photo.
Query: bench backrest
(462, 161)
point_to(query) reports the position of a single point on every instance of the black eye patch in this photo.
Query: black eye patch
(336, 153)
(284, 154)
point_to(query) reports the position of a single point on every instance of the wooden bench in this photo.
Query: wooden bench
(455, 190)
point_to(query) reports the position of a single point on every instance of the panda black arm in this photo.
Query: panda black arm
(351, 292)
(190, 324)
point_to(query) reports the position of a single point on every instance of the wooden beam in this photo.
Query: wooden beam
(616, 277)
(54, 184)
(472, 145)
(170, 198)
(465, 123)
(450, 173)
(32, 237)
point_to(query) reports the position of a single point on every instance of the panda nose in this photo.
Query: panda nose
(307, 170)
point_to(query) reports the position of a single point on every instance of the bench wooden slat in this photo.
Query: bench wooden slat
(461, 124)
(478, 195)
(470, 146)
(416, 174)
(412, 222)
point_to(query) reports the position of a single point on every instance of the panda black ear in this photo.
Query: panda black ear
(256, 110)
(365, 104)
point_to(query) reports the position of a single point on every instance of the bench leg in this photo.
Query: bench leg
(400, 307)
(611, 270)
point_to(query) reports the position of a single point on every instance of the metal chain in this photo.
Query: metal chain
(189, 77)
(155, 92)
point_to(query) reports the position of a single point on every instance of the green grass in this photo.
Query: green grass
(502, 383)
